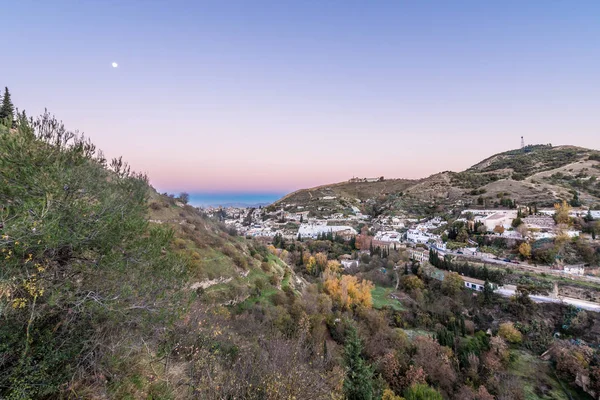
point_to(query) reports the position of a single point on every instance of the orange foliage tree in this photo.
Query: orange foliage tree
(347, 291)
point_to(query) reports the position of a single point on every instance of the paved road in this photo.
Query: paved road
(509, 290)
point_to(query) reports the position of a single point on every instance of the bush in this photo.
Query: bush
(422, 392)
(83, 264)
(508, 332)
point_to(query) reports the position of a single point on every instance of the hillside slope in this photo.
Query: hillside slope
(100, 274)
(539, 174)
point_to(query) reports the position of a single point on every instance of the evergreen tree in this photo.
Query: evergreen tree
(589, 217)
(358, 383)
(7, 111)
(488, 292)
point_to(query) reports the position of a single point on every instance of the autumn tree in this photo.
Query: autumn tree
(358, 384)
(390, 395)
(347, 291)
(321, 261)
(311, 265)
(561, 213)
(525, 250)
(508, 331)
(499, 229)
(364, 240)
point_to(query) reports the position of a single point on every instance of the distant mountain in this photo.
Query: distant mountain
(540, 174)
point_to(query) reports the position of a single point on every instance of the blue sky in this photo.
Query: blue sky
(273, 96)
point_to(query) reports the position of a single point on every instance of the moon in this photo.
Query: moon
(115, 65)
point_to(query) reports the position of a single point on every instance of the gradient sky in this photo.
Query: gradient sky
(272, 96)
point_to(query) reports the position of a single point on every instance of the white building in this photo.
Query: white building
(418, 236)
(388, 236)
(313, 231)
(418, 255)
(500, 218)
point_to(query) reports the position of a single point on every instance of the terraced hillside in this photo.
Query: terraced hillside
(539, 174)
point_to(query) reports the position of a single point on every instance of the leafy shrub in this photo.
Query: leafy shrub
(81, 259)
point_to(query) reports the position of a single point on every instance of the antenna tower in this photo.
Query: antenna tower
(522, 142)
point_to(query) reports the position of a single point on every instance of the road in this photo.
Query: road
(509, 290)
(525, 266)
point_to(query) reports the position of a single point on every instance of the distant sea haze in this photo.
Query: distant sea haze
(233, 199)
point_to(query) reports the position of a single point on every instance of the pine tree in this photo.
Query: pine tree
(358, 383)
(7, 111)
(488, 292)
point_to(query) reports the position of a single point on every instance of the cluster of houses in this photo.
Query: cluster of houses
(314, 230)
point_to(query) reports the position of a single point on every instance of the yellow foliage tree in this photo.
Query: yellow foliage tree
(390, 395)
(305, 257)
(510, 333)
(347, 291)
(333, 267)
(561, 213)
(311, 265)
(321, 259)
(525, 249)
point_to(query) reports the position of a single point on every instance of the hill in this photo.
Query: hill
(539, 174)
(102, 276)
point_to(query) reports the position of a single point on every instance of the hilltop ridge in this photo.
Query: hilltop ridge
(541, 174)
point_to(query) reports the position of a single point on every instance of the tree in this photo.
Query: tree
(358, 383)
(347, 291)
(7, 111)
(575, 202)
(523, 230)
(463, 235)
(390, 395)
(516, 222)
(510, 333)
(488, 292)
(499, 229)
(525, 250)
(452, 283)
(561, 213)
(412, 282)
(184, 197)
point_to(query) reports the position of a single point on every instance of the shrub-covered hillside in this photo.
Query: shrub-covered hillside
(97, 269)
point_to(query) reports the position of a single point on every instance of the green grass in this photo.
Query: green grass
(381, 299)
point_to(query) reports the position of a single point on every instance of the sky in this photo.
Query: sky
(267, 97)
